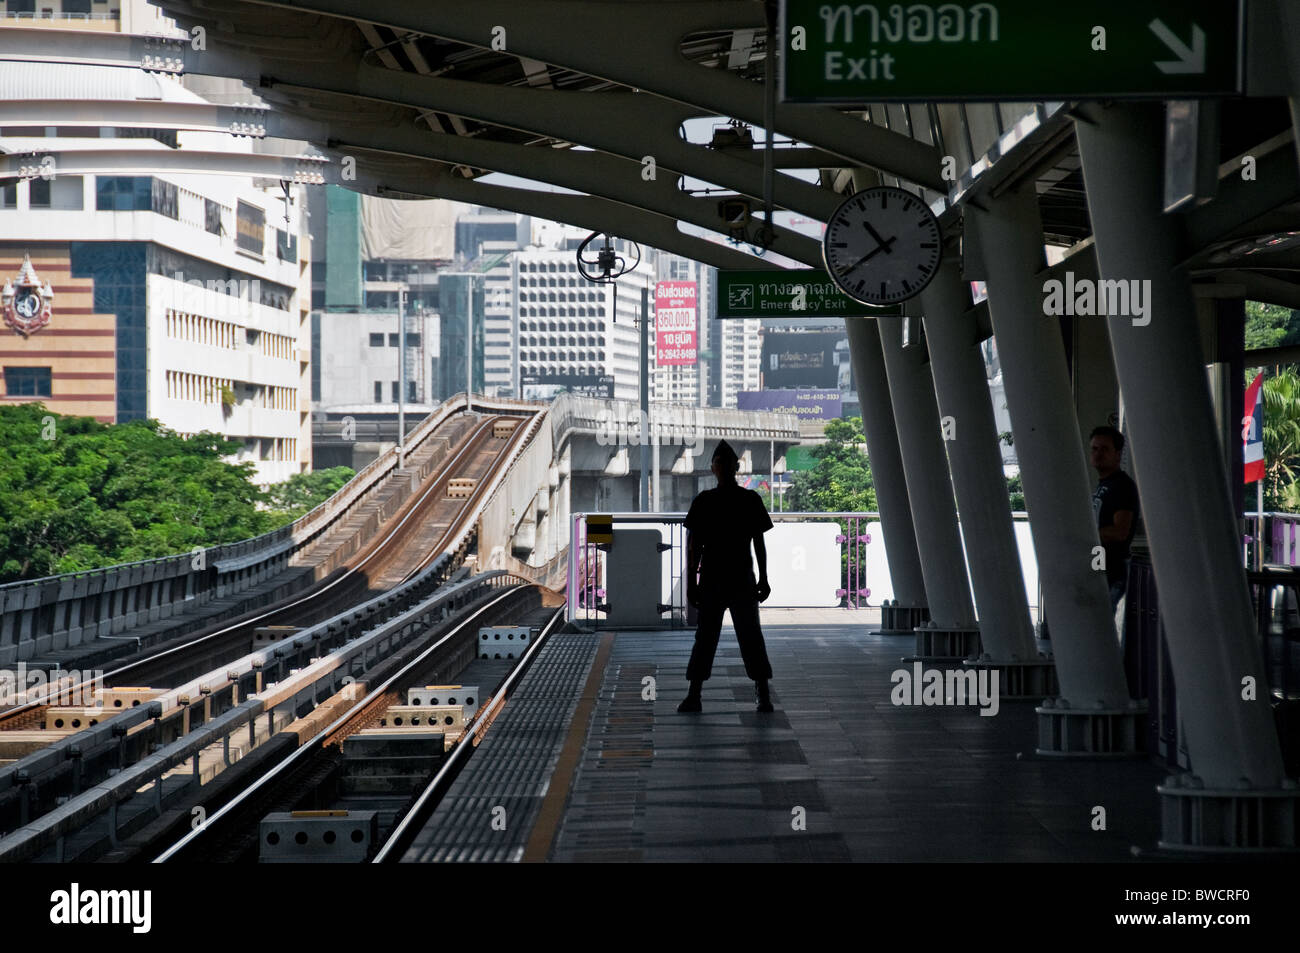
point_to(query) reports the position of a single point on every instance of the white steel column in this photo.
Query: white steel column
(962, 389)
(928, 486)
(1186, 503)
(886, 467)
(1057, 491)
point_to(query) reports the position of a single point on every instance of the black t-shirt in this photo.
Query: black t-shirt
(722, 521)
(1116, 492)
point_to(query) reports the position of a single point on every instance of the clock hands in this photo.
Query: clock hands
(869, 255)
(885, 243)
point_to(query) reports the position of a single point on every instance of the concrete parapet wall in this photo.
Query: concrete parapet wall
(63, 612)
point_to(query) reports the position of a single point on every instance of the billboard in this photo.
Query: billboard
(805, 404)
(546, 386)
(676, 307)
(804, 359)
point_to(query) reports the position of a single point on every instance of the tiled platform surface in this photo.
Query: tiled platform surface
(872, 782)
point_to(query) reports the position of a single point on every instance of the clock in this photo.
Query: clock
(882, 246)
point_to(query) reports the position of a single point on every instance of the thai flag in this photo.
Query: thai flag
(1252, 432)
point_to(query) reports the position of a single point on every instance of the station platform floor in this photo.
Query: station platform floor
(836, 773)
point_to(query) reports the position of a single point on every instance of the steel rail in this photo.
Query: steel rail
(417, 814)
(338, 725)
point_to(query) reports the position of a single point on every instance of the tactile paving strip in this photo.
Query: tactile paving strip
(489, 812)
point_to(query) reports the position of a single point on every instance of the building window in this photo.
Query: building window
(124, 193)
(38, 195)
(164, 198)
(376, 340)
(27, 382)
(396, 392)
(9, 195)
(392, 342)
(212, 216)
(379, 391)
(412, 340)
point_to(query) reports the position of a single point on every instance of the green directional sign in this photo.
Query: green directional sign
(799, 458)
(794, 293)
(1009, 50)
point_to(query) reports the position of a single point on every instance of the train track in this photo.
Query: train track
(314, 775)
(402, 551)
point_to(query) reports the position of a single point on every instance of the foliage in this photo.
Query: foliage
(1016, 493)
(302, 492)
(1270, 325)
(841, 481)
(76, 494)
(1281, 441)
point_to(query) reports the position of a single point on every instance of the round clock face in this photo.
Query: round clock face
(882, 246)
(28, 304)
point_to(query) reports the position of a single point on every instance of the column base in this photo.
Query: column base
(1250, 821)
(1090, 732)
(951, 643)
(896, 619)
(1020, 681)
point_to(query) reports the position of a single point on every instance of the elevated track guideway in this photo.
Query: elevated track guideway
(62, 754)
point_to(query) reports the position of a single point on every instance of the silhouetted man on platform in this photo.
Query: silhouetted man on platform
(720, 525)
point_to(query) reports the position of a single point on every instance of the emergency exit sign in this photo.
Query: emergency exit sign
(793, 293)
(1009, 50)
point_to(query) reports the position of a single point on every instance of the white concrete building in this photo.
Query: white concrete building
(203, 281)
(742, 353)
(488, 238)
(359, 362)
(570, 328)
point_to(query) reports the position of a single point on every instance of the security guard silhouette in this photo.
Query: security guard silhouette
(720, 525)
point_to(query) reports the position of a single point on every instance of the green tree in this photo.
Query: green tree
(76, 494)
(841, 481)
(1281, 441)
(303, 492)
(1270, 325)
(1016, 493)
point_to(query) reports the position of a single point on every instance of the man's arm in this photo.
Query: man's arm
(762, 590)
(1118, 530)
(760, 553)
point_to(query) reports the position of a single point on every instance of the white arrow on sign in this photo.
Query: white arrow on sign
(1190, 59)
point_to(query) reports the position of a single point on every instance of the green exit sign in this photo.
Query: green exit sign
(1009, 50)
(793, 293)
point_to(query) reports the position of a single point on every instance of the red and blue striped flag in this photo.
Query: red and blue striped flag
(1252, 432)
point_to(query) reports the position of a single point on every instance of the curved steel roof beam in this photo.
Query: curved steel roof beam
(250, 121)
(307, 169)
(627, 124)
(593, 173)
(633, 125)
(583, 35)
(599, 215)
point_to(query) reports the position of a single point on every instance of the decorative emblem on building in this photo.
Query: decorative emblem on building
(26, 301)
